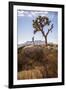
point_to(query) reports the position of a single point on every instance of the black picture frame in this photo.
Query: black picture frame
(11, 48)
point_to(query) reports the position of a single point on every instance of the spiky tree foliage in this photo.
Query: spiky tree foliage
(39, 23)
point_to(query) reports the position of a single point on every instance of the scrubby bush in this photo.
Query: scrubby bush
(29, 55)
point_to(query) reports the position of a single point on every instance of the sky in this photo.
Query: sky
(25, 28)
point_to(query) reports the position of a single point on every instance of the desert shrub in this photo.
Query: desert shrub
(52, 70)
(29, 55)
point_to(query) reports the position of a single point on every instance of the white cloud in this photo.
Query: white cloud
(20, 13)
(31, 13)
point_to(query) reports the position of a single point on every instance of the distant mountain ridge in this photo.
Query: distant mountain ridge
(36, 42)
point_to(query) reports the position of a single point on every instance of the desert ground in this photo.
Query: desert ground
(37, 62)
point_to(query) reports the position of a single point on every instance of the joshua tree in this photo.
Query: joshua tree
(39, 23)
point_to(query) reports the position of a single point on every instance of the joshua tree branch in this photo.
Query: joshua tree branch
(49, 30)
(43, 33)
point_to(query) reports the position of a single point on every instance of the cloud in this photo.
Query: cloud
(20, 13)
(31, 13)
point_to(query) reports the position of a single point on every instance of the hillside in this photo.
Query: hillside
(37, 61)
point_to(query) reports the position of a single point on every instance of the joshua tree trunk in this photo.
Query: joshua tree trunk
(45, 36)
(46, 40)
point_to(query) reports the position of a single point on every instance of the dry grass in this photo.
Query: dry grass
(32, 73)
